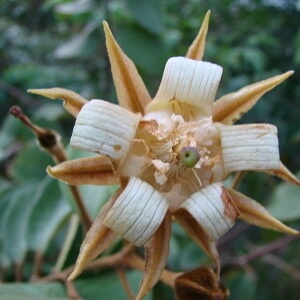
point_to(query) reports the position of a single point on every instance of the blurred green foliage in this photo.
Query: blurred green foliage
(61, 43)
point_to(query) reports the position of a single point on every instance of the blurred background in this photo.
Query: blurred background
(61, 43)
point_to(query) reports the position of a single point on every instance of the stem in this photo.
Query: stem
(84, 215)
(37, 265)
(73, 226)
(237, 179)
(259, 252)
(49, 140)
(282, 265)
(122, 276)
(136, 262)
(17, 93)
(18, 272)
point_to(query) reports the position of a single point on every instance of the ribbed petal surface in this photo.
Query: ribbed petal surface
(189, 81)
(105, 128)
(138, 212)
(212, 209)
(249, 147)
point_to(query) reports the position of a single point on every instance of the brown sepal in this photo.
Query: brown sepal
(198, 234)
(73, 102)
(131, 91)
(196, 50)
(229, 108)
(156, 255)
(98, 238)
(254, 213)
(284, 173)
(96, 170)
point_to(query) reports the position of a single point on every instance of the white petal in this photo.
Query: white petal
(190, 81)
(138, 212)
(105, 128)
(212, 209)
(249, 147)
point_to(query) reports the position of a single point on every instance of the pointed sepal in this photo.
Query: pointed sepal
(198, 234)
(196, 50)
(156, 255)
(73, 102)
(98, 238)
(131, 91)
(284, 173)
(254, 213)
(229, 108)
(96, 170)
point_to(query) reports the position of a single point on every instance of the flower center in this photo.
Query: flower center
(189, 156)
(173, 155)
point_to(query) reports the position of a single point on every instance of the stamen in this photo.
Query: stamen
(197, 177)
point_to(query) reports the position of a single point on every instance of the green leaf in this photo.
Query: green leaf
(47, 216)
(11, 131)
(15, 219)
(94, 197)
(285, 202)
(147, 51)
(74, 7)
(78, 46)
(148, 14)
(242, 285)
(31, 291)
(108, 286)
(31, 163)
(49, 112)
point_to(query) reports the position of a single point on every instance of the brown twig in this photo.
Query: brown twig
(71, 290)
(19, 94)
(136, 262)
(124, 258)
(49, 140)
(258, 252)
(238, 177)
(18, 272)
(282, 265)
(124, 281)
(100, 263)
(37, 265)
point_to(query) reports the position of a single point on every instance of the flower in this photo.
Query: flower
(170, 156)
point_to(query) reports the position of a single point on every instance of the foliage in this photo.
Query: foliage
(61, 43)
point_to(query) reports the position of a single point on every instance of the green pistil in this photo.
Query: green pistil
(189, 156)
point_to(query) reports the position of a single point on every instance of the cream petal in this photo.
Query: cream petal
(249, 147)
(190, 82)
(138, 212)
(213, 209)
(105, 128)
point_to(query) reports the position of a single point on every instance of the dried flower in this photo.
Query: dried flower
(170, 156)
